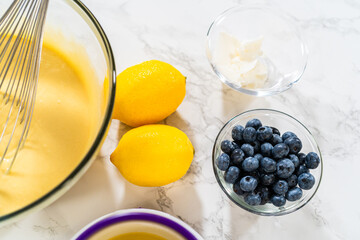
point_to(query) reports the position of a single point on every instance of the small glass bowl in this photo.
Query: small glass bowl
(283, 122)
(284, 51)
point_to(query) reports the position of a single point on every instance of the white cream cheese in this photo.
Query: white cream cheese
(239, 61)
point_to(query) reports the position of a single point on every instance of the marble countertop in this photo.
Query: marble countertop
(326, 99)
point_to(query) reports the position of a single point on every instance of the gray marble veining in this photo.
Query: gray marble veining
(326, 100)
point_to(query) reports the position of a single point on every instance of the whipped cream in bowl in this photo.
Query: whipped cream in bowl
(240, 61)
(256, 50)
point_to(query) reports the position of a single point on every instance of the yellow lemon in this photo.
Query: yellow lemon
(153, 155)
(148, 92)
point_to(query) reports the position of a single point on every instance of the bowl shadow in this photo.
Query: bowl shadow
(178, 199)
(241, 221)
(234, 102)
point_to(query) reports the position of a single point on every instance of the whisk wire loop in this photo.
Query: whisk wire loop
(21, 33)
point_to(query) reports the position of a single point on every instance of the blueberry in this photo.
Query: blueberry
(253, 199)
(264, 134)
(312, 160)
(250, 164)
(295, 160)
(254, 174)
(258, 156)
(302, 157)
(292, 180)
(276, 139)
(237, 156)
(248, 149)
(232, 174)
(306, 181)
(281, 187)
(278, 200)
(294, 144)
(236, 146)
(275, 131)
(254, 123)
(302, 169)
(268, 165)
(266, 149)
(294, 194)
(237, 133)
(285, 168)
(223, 161)
(227, 146)
(256, 145)
(264, 193)
(267, 179)
(287, 135)
(237, 189)
(249, 134)
(280, 150)
(248, 183)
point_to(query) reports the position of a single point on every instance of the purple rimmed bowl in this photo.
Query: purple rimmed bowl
(137, 220)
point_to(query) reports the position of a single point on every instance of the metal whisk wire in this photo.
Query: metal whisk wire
(21, 32)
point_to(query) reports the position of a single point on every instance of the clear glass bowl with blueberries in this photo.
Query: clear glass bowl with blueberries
(267, 162)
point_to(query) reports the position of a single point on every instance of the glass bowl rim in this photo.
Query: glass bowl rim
(271, 111)
(103, 127)
(273, 10)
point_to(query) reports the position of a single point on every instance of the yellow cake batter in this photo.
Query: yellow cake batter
(137, 236)
(65, 121)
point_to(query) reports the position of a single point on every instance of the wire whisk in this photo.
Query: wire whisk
(21, 33)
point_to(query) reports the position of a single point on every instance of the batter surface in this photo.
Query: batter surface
(64, 124)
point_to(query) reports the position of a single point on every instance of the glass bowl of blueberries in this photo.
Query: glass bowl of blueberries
(267, 162)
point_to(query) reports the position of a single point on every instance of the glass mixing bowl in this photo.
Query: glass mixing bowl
(283, 122)
(69, 21)
(284, 51)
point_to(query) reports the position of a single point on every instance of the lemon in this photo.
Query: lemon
(153, 155)
(148, 93)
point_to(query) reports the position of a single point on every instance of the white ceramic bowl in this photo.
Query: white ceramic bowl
(137, 220)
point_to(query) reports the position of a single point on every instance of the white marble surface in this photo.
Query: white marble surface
(326, 99)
